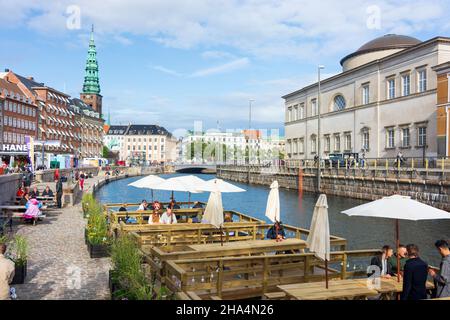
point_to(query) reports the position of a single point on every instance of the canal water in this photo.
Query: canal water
(296, 210)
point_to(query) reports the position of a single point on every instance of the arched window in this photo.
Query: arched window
(339, 103)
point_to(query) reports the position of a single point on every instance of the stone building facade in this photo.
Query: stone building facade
(384, 102)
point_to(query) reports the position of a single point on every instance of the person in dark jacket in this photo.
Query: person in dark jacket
(47, 192)
(382, 262)
(59, 193)
(28, 178)
(276, 231)
(34, 193)
(414, 276)
(442, 277)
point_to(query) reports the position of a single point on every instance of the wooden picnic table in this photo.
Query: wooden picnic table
(349, 289)
(17, 207)
(387, 287)
(250, 246)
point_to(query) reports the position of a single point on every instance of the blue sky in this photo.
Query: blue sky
(173, 62)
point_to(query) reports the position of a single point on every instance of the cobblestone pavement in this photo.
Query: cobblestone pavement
(59, 266)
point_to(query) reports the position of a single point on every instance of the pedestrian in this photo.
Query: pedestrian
(28, 178)
(414, 276)
(442, 277)
(402, 253)
(59, 193)
(81, 181)
(56, 175)
(7, 269)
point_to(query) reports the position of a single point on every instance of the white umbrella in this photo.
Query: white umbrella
(219, 185)
(182, 183)
(148, 182)
(273, 203)
(318, 240)
(214, 211)
(399, 208)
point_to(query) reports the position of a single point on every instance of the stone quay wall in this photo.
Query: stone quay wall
(48, 175)
(431, 187)
(8, 187)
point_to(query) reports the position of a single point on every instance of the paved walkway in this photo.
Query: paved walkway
(59, 266)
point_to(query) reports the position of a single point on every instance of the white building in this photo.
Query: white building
(142, 144)
(383, 102)
(235, 144)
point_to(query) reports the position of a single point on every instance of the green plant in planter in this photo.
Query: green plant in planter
(19, 250)
(128, 273)
(97, 227)
(87, 202)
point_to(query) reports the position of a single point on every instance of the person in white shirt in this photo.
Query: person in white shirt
(168, 217)
(6, 274)
(143, 206)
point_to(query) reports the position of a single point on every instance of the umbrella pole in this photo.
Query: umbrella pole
(189, 201)
(397, 236)
(152, 196)
(221, 236)
(326, 273)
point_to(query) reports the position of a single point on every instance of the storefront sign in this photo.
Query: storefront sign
(15, 148)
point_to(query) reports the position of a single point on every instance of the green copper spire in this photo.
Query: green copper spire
(91, 82)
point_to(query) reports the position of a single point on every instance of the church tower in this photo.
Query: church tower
(91, 87)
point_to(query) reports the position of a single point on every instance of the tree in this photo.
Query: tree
(105, 152)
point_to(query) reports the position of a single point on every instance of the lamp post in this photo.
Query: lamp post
(320, 67)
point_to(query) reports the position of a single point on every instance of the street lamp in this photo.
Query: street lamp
(247, 138)
(320, 67)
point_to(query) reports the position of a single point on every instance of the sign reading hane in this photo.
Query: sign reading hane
(15, 147)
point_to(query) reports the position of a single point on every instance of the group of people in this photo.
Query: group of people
(414, 270)
(161, 215)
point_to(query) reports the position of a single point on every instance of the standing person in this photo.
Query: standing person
(442, 278)
(59, 192)
(382, 262)
(28, 178)
(56, 175)
(81, 181)
(414, 276)
(402, 253)
(7, 269)
(168, 217)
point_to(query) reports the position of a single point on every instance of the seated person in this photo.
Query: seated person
(197, 205)
(402, 253)
(382, 263)
(34, 193)
(276, 232)
(197, 218)
(130, 220)
(173, 204)
(20, 193)
(143, 206)
(123, 209)
(168, 217)
(228, 217)
(154, 218)
(47, 192)
(23, 202)
(32, 213)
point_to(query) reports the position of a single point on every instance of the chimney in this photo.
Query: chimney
(30, 78)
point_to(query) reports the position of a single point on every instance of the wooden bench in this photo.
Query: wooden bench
(274, 295)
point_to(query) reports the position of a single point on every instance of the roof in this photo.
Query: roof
(11, 87)
(394, 55)
(137, 129)
(30, 84)
(386, 42)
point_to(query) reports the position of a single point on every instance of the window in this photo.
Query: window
(406, 85)
(339, 103)
(405, 137)
(337, 142)
(365, 140)
(390, 138)
(422, 76)
(313, 144)
(295, 146)
(422, 136)
(348, 141)
(327, 144)
(301, 147)
(314, 107)
(301, 111)
(289, 146)
(391, 88)
(365, 94)
(289, 114)
(295, 116)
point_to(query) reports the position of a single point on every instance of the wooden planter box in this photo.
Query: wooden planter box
(98, 250)
(20, 274)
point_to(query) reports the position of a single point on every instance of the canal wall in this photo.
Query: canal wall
(430, 187)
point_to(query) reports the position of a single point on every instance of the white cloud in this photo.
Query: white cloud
(298, 29)
(226, 67)
(167, 70)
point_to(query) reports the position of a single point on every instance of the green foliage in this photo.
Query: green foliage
(105, 152)
(18, 250)
(97, 227)
(127, 270)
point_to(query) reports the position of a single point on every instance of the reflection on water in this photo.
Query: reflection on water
(361, 232)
